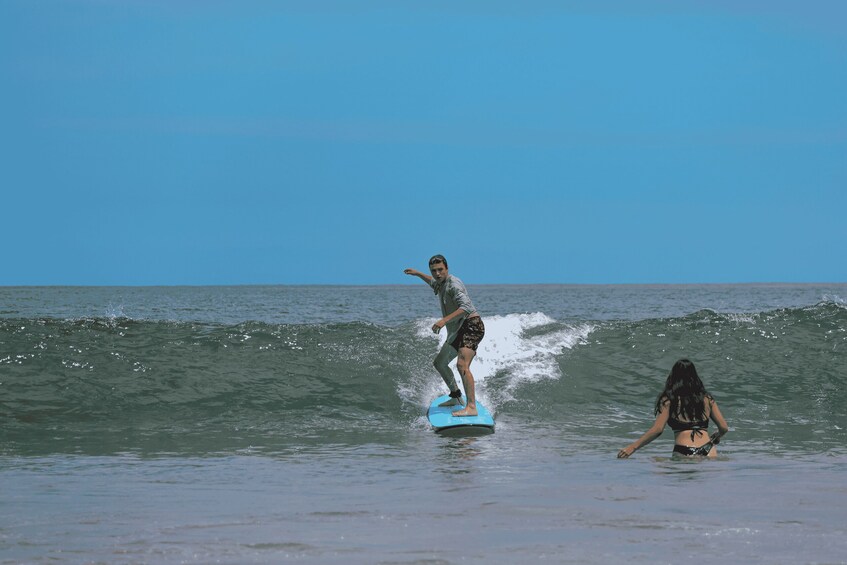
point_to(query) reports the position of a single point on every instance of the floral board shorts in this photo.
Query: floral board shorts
(470, 334)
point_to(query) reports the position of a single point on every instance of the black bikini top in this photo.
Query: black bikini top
(681, 426)
(696, 428)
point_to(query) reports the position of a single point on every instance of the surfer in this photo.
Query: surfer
(686, 407)
(465, 331)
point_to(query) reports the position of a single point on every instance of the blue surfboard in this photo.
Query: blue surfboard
(444, 422)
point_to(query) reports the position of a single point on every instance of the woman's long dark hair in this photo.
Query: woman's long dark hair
(685, 392)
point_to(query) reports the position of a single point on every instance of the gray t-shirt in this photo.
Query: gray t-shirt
(453, 295)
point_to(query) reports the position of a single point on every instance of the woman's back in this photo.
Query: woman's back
(680, 421)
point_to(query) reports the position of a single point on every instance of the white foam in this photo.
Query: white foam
(834, 299)
(506, 351)
(741, 318)
(114, 312)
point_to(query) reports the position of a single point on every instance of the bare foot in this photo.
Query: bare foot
(453, 402)
(466, 412)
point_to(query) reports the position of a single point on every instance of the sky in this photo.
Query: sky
(338, 142)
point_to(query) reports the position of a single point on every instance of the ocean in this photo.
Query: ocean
(268, 424)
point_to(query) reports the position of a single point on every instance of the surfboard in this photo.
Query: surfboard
(445, 423)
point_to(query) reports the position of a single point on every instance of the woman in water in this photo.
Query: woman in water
(686, 407)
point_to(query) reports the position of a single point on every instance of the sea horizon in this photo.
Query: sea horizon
(483, 284)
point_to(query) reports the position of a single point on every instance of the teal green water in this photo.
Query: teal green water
(258, 424)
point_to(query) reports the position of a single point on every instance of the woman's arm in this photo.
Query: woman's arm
(655, 431)
(718, 419)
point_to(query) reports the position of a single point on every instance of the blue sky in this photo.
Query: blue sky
(338, 142)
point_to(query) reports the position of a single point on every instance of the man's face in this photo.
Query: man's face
(439, 271)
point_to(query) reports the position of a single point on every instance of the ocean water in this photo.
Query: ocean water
(286, 424)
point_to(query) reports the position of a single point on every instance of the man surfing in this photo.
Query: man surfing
(465, 331)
